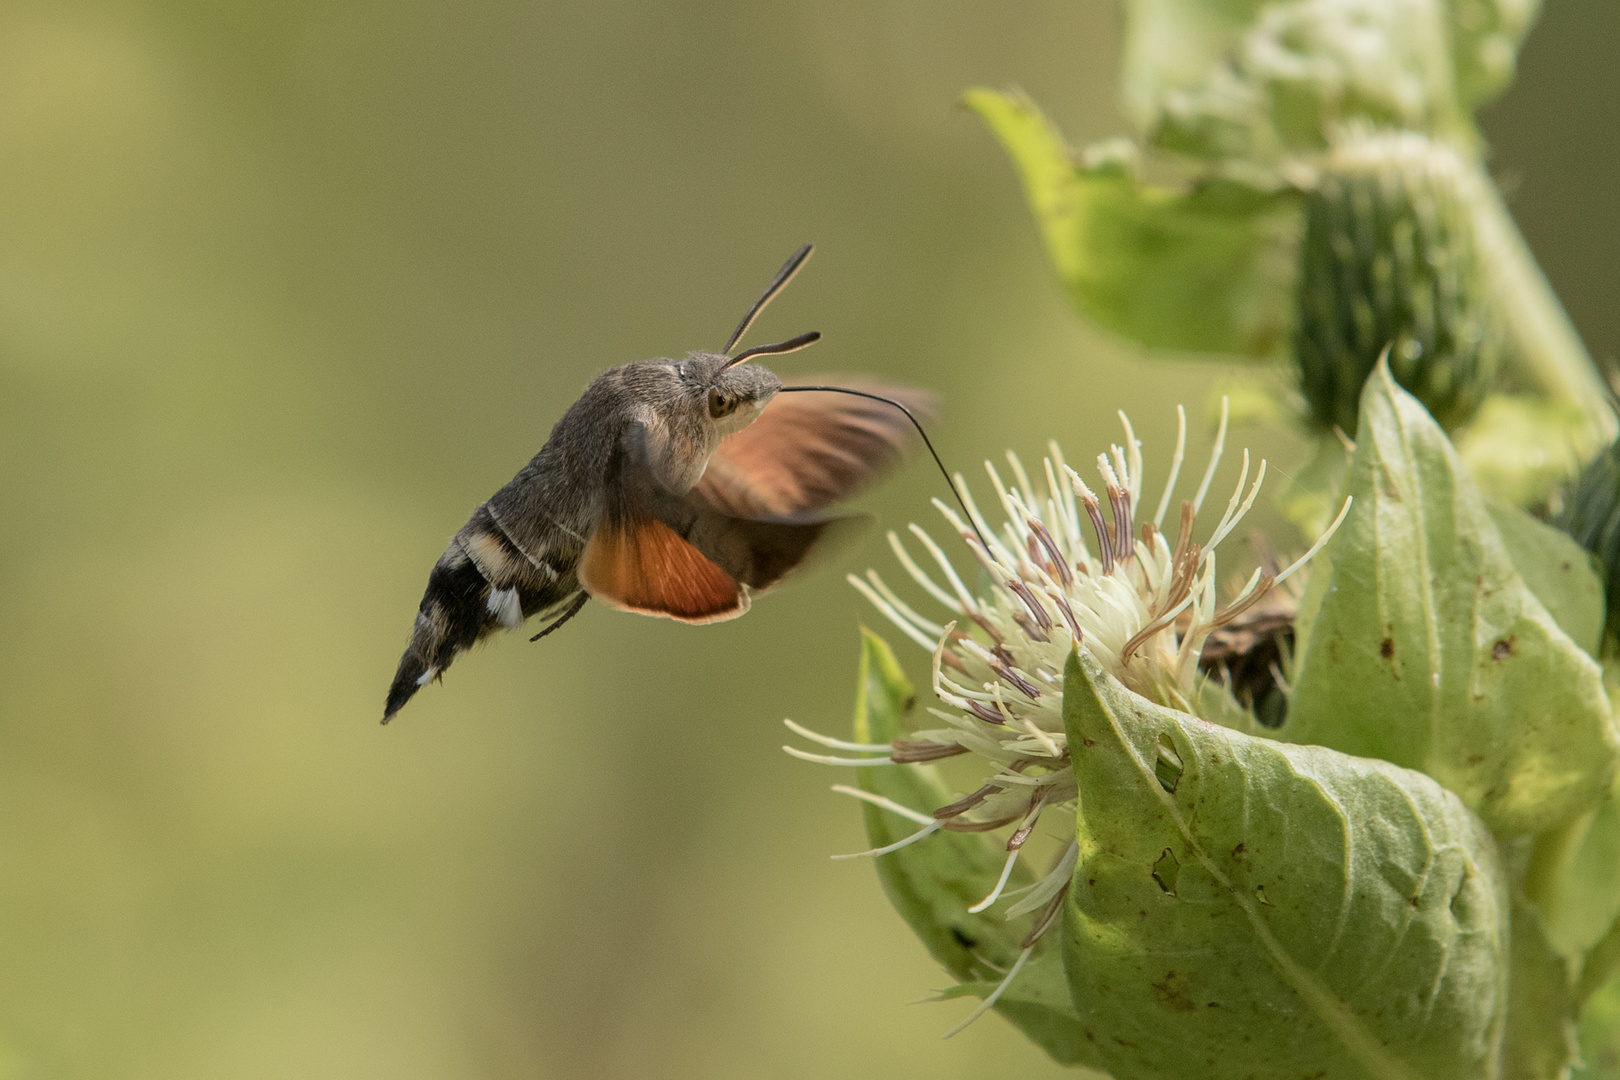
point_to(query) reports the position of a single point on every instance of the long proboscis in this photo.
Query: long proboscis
(966, 514)
(778, 283)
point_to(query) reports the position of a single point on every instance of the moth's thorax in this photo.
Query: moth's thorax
(675, 402)
(678, 445)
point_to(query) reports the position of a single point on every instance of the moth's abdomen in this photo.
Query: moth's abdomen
(482, 583)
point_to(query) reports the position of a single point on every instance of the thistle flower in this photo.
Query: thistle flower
(1138, 601)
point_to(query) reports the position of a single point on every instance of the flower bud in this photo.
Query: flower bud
(1389, 261)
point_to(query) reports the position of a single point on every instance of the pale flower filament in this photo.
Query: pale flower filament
(1138, 600)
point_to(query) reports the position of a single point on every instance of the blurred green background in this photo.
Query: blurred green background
(286, 289)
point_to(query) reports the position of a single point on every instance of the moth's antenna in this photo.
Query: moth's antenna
(790, 345)
(778, 283)
(967, 516)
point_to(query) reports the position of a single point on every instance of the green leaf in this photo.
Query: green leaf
(1263, 910)
(1038, 1004)
(1600, 968)
(1223, 79)
(932, 883)
(1206, 270)
(1172, 49)
(1214, 702)
(1585, 892)
(1558, 570)
(1540, 1041)
(1574, 879)
(1484, 44)
(1592, 517)
(1311, 496)
(1428, 649)
(1600, 1035)
(1523, 450)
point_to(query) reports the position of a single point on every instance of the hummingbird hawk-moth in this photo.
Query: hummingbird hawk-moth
(676, 488)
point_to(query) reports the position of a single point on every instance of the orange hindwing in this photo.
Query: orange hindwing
(642, 565)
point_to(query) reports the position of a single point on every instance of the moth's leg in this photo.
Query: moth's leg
(573, 609)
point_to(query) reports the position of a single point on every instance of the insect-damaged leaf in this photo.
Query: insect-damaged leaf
(1207, 270)
(932, 883)
(1330, 916)
(1428, 649)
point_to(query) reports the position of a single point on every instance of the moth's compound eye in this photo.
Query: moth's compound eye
(720, 404)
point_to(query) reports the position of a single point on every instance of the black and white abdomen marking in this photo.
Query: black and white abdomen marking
(483, 582)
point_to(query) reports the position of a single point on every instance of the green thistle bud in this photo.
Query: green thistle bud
(1389, 261)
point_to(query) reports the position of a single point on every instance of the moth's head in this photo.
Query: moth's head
(731, 391)
(729, 394)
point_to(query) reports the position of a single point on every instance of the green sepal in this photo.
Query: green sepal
(932, 883)
(1213, 701)
(1573, 877)
(1311, 495)
(1599, 1034)
(1038, 1005)
(1244, 908)
(1600, 970)
(1225, 79)
(1428, 649)
(1540, 1043)
(1592, 517)
(1559, 571)
(1485, 37)
(1207, 270)
(1523, 450)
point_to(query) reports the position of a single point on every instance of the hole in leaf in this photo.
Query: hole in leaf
(1166, 871)
(1260, 895)
(1167, 765)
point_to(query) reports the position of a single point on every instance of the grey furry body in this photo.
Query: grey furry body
(634, 500)
(640, 435)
